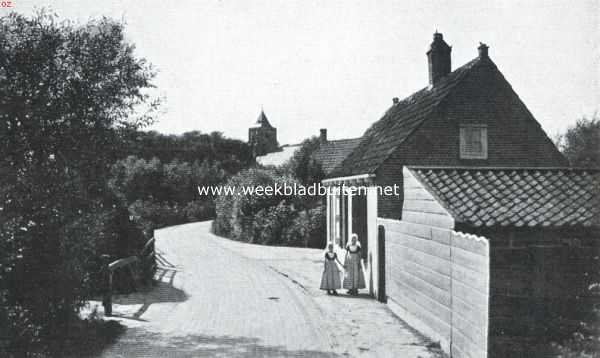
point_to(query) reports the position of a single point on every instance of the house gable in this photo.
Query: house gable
(514, 137)
(425, 126)
(484, 97)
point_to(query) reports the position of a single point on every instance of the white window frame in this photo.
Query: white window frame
(470, 154)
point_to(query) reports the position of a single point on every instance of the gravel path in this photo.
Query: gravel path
(221, 298)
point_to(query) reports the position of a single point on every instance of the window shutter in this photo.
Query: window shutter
(473, 141)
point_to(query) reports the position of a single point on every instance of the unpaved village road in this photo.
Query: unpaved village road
(220, 298)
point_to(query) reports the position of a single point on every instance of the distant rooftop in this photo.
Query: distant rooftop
(278, 158)
(331, 153)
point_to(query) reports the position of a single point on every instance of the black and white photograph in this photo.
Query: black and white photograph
(287, 178)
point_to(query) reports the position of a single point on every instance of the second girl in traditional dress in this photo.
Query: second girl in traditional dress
(330, 280)
(354, 278)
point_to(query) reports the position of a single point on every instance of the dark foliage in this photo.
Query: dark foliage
(268, 219)
(64, 91)
(231, 154)
(161, 194)
(303, 165)
(157, 176)
(276, 220)
(581, 143)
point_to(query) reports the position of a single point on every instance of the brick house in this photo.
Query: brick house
(466, 118)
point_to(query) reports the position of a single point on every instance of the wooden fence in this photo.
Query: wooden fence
(141, 267)
(438, 281)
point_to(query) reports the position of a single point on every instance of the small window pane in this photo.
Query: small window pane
(473, 142)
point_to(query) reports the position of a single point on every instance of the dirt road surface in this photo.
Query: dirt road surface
(220, 298)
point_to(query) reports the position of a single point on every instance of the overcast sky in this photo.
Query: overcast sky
(338, 64)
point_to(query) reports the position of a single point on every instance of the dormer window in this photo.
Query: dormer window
(473, 141)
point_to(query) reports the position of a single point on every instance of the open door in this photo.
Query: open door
(359, 222)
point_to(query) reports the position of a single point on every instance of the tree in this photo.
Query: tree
(303, 165)
(233, 155)
(65, 90)
(162, 194)
(581, 143)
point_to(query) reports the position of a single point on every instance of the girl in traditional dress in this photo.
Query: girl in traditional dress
(354, 278)
(330, 280)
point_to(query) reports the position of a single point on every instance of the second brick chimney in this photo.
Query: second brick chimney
(323, 135)
(438, 57)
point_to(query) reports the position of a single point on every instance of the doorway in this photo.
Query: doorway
(359, 222)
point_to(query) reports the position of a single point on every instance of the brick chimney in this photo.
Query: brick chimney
(483, 50)
(438, 57)
(323, 135)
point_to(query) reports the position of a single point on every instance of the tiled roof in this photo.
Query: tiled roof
(333, 152)
(399, 122)
(278, 158)
(548, 197)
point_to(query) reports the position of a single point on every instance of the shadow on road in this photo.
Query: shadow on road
(157, 345)
(162, 291)
(85, 338)
(162, 260)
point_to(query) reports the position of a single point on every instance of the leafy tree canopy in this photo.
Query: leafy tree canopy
(581, 143)
(303, 166)
(231, 154)
(64, 90)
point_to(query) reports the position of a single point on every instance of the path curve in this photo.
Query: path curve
(213, 302)
(220, 298)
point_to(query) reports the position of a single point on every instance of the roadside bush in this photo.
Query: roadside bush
(56, 270)
(235, 213)
(199, 210)
(316, 226)
(159, 194)
(268, 219)
(105, 230)
(575, 332)
(151, 215)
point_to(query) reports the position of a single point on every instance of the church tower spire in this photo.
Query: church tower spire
(262, 136)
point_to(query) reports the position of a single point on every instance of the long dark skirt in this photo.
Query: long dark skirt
(354, 278)
(331, 276)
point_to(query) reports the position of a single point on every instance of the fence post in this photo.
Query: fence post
(107, 286)
(148, 259)
(381, 294)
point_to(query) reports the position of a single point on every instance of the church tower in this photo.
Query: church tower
(262, 136)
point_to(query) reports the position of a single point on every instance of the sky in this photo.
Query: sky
(338, 64)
